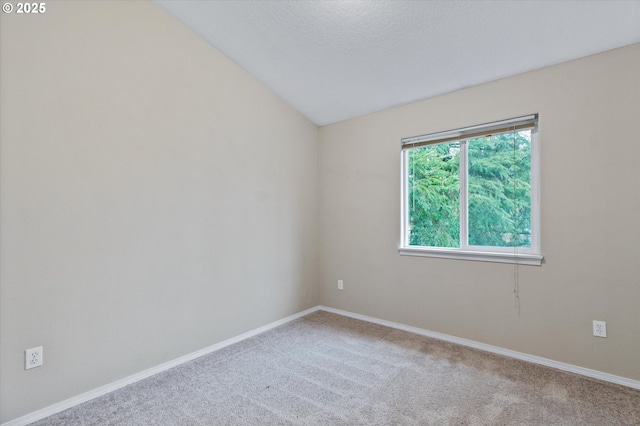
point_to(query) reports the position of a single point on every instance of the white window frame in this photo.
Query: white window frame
(521, 255)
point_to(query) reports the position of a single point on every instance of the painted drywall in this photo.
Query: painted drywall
(590, 198)
(156, 199)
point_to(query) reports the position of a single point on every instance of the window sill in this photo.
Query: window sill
(482, 256)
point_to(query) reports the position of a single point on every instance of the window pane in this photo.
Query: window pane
(500, 190)
(434, 195)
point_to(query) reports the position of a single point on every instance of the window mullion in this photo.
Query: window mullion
(464, 196)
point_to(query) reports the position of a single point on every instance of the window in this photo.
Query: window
(472, 193)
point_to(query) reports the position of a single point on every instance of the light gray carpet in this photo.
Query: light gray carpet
(326, 369)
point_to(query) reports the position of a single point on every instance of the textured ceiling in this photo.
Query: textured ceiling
(334, 60)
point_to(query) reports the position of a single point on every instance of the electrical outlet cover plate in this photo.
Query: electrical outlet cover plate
(599, 328)
(340, 285)
(33, 358)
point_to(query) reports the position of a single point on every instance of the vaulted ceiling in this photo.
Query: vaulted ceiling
(334, 60)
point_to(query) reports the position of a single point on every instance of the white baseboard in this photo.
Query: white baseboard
(71, 402)
(495, 349)
(79, 399)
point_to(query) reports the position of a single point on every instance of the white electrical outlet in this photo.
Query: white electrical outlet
(33, 358)
(340, 285)
(599, 328)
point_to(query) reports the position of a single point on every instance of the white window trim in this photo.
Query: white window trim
(517, 255)
(483, 256)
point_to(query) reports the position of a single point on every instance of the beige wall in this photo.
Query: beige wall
(155, 199)
(590, 197)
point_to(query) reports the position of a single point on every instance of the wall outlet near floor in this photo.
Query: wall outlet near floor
(340, 285)
(599, 328)
(33, 358)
